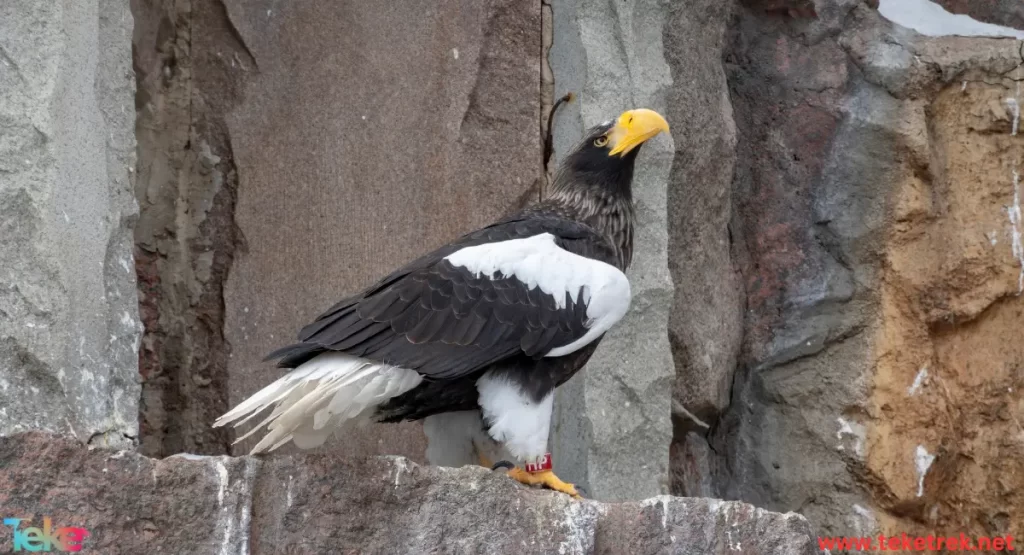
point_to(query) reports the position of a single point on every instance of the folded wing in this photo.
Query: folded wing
(535, 285)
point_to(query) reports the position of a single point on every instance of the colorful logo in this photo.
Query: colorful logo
(68, 538)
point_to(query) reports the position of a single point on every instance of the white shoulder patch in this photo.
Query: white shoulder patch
(539, 262)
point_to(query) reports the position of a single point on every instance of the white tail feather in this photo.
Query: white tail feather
(318, 398)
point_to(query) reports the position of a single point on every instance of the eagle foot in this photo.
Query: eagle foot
(545, 478)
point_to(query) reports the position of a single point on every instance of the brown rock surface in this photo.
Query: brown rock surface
(361, 126)
(877, 189)
(950, 363)
(292, 153)
(322, 504)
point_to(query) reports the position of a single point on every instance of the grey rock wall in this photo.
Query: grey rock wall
(69, 326)
(320, 503)
(706, 326)
(612, 428)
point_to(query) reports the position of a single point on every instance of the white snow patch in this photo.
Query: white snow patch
(867, 517)
(246, 507)
(919, 380)
(714, 505)
(577, 539)
(400, 467)
(222, 473)
(861, 511)
(291, 482)
(1014, 213)
(922, 461)
(239, 510)
(855, 429)
(931, 19)
(1015, 110)
(455, 53)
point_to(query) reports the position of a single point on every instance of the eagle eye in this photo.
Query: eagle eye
(601, 141)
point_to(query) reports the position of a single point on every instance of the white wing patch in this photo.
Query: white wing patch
(319, 397)
(538, 261)
(517, 421)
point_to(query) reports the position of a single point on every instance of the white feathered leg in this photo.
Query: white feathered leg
(521, 424)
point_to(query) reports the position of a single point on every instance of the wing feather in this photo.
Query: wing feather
(449, 314)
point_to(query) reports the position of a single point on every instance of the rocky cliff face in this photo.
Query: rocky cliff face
(69, 325)
(877, 199)
(828, 290)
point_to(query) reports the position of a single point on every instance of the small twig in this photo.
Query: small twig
(680, 410)
(549, 140)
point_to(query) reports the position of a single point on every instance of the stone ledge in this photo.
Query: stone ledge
(322, 504)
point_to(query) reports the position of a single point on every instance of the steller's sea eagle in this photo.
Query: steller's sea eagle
(490, 323)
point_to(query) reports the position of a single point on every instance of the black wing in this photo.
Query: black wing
(444, 322)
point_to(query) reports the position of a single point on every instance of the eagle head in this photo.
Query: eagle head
(603, 161)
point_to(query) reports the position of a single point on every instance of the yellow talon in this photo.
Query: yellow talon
(545, 478)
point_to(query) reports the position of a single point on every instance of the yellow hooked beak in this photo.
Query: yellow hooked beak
(633, 128)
